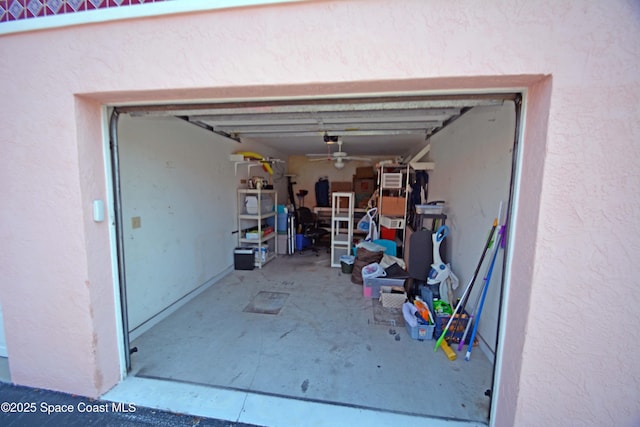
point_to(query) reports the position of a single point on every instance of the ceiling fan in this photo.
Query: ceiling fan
(338, 157)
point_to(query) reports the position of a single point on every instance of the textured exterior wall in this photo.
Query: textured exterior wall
(580, 173)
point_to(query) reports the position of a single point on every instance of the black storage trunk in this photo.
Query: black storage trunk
(243, 259)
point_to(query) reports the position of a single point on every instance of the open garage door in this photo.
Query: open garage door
(177, 186)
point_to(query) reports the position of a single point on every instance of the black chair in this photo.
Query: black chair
(308, 223)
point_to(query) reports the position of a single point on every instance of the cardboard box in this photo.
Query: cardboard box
(392, 206)
(362, 185)
(362, 200)
(341, 187)
(365, 172)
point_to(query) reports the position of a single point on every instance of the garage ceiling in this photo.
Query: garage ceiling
(367, 126)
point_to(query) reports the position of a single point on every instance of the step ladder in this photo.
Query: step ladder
(341, 226)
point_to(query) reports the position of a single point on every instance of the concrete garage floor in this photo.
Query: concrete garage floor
(297, 335)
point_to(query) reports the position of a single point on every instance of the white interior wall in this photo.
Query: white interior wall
(179, 180)
(473, 162)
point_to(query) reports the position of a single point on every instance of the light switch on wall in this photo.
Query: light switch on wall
(98, 210)
(136, 222)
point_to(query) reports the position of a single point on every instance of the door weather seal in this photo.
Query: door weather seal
(122, 281)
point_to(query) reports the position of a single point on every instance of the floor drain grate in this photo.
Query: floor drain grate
(267, 303)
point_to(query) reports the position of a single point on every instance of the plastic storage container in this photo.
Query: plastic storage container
(282, 223)
(302, 242)
(420, 332)
(387, 233)
(251, 204)
(371, 286)
(260, 254)
(429, 209)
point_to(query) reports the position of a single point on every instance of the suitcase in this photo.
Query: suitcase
(419, 263)
(420, 254)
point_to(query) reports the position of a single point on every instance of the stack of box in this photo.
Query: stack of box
(342, 187)
(363, 185)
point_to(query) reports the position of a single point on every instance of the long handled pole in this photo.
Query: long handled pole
(484, 294)
(473, 315)
(465, 295)
(458, 319)
(470, 321)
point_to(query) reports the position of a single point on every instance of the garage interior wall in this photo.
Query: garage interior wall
(177, 179)
(474, 157)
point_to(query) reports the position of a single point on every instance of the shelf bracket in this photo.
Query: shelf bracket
(415, 162)
(249, 164)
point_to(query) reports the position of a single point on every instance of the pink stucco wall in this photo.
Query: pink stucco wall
(574, 296)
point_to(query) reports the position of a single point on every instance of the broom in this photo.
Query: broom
(484, 293)
(467, 290)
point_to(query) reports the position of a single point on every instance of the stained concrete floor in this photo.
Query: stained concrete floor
(322, 348)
